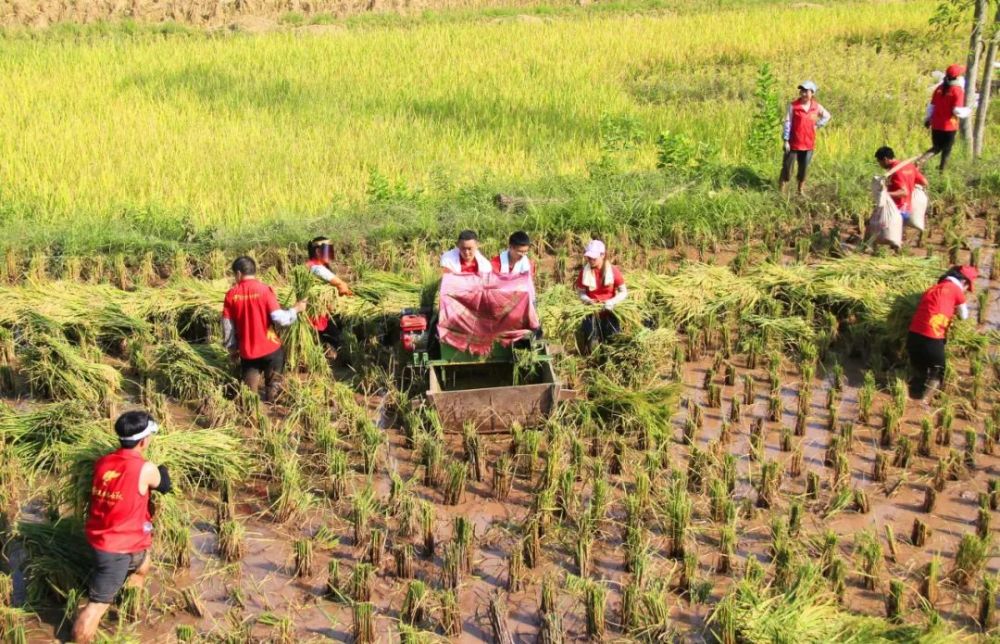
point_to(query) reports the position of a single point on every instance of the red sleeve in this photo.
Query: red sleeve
(579, 281)
(959, 96)
(495, 263)
(918, 177)
(270, 300)
(227, 311)
(618, 279)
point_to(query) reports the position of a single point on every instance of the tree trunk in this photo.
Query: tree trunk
(984, 89)
(972, 65)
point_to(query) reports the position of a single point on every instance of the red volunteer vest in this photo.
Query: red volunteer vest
(945, 100)
(803, 126)
(320, 322)
(249, 305)
(119, 519)
(936, 309)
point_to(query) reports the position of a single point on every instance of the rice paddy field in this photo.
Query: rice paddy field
(741, 465)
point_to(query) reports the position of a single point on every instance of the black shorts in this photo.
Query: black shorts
(111, 569)
(803, 157)
(943, 141)
(273, 362)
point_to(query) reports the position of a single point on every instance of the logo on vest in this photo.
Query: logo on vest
(109, 476)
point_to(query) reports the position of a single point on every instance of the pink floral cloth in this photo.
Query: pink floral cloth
(478, 310)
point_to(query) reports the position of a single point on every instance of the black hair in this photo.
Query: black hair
(956, 272)
(467, 235)
(885, 153)
(129, 424)
(245, 265)
(314, 245)
(519, 238)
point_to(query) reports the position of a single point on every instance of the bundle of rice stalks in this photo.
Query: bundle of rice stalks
(303, 348)
(58, 558)
(188, 374)
(635, 361)
(631, 411)
(56, 369)
(116, 328)
(37, 436)
(195, 457)
(695, 293)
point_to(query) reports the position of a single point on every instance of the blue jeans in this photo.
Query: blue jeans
(600, 326)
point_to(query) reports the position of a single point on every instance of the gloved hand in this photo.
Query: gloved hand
(165, 484)
(788, 146)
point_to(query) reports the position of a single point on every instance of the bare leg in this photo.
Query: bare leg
(802, 187)
(138, 578)
(252, 380)
(88, 621)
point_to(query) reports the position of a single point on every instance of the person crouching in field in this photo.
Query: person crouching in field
(320, 255)
(929, 328)
(119, 524)
(947, 106)
(805, 115)
(601, 285)
(249, 312)
(902, 180)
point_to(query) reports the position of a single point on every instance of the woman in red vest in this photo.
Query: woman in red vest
(947, 106)
(320, 256)
(804, 117)
(929, 328)
(119, 524)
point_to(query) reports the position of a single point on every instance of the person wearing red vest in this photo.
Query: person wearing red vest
(320, 255)
(601, 285)
(515, 260)
(929, 328)
(249, 312)
(903, 180)
(119, 525)
(947, 106)
(803, 118)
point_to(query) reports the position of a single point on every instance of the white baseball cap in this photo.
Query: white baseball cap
(809, 85)
(595, 248)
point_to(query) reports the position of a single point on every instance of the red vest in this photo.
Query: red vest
(249, 305)
(320, 322)
(936, 309)
(803, 127)
(945, 100)
(119, 519)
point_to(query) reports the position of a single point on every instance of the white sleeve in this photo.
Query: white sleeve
(584, 297)
(323, 273)
(930, 112)
(284, 317)
(619, 297)
(963, 311)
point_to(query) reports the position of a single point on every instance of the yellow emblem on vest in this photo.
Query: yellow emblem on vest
(109, 476)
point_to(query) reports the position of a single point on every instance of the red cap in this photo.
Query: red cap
(954, 71)
(970, 273)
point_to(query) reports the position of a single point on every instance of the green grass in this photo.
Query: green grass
(132, 136)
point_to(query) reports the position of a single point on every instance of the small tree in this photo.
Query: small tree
(763, 137)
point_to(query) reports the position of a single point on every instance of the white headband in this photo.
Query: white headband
(151, 428)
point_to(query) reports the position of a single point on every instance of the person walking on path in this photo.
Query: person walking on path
(119, 525)
(902, 179)
(947, 106)
(929, 328)
(805, 115)
(249, 312)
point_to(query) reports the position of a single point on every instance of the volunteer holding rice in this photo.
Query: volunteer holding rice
(600, 284)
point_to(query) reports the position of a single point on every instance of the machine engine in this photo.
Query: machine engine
(414, 331)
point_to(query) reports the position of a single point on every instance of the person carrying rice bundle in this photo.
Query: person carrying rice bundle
(249, 311)
(805, 115)
(119, 524)
(947, 106)
(601, 285)
(902, 179)
(929, 328)
(320, 255)
(465, 256)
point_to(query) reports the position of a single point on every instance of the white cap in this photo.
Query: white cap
(595, 248)
(809, 85)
